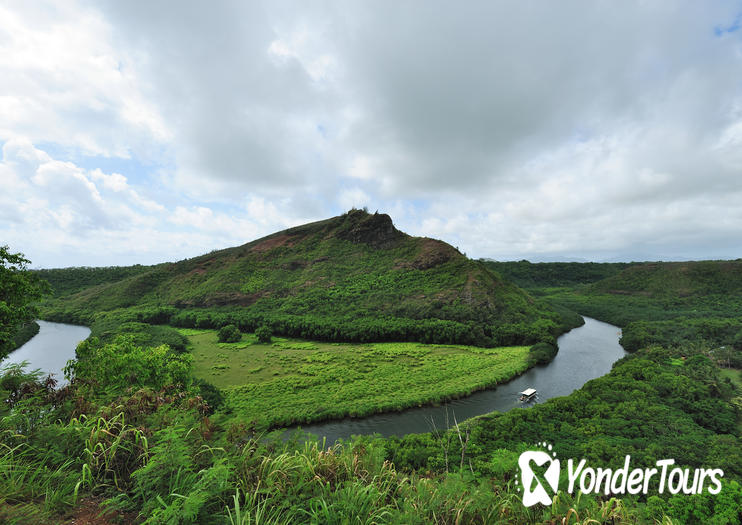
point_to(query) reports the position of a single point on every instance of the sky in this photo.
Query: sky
(143, 132)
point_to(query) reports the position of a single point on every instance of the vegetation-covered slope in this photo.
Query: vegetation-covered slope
(652, 405)
(66, 281)
(536, 275)
(352, 277)
(147, 451)
(676, 279)
(670, 304)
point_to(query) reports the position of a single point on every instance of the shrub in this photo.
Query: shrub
(153, 335)
(264, 334)
(211, 394)
(229, 334)
(110, 369)
(542, 353)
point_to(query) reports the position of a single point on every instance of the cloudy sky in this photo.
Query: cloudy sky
(142, 132)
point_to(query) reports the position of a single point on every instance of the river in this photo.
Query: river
(50, 349)
(585, 353)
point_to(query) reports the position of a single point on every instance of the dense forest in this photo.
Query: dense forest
(530, 275)
(138, 437)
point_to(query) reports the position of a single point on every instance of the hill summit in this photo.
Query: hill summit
(350, 277)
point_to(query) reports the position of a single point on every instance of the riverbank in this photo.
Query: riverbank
(25, 334)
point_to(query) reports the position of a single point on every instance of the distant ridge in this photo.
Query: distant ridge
(676, 279)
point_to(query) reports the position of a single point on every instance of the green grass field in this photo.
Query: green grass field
(733, 374)
(293, 381)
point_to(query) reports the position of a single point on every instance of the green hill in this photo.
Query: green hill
(351, 277)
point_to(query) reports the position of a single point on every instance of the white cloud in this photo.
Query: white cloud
(64, 82)
(60, 213)
(362, 168)
(114, 181)
(353, 198)
(511, 130)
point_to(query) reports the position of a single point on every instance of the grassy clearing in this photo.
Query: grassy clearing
(734, 375)
(293, 381)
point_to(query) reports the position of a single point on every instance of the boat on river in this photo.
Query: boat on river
(528, 394)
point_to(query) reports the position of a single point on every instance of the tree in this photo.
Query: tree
(229, 334)
(264, 334)
(19, 289)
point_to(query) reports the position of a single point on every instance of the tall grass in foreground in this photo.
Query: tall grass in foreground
(156, 456)
(25, 477)
(185, 480)
(176, 476)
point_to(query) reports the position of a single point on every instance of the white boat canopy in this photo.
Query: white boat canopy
(529, 392)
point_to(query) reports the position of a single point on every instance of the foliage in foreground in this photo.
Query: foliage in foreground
(149, 449)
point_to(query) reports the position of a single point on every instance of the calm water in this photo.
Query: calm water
(585, 353)
(51, 348)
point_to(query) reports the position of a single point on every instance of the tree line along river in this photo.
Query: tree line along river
(585, 353)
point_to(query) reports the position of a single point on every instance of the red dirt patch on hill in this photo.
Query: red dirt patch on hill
(432, 253)
(273, 242)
